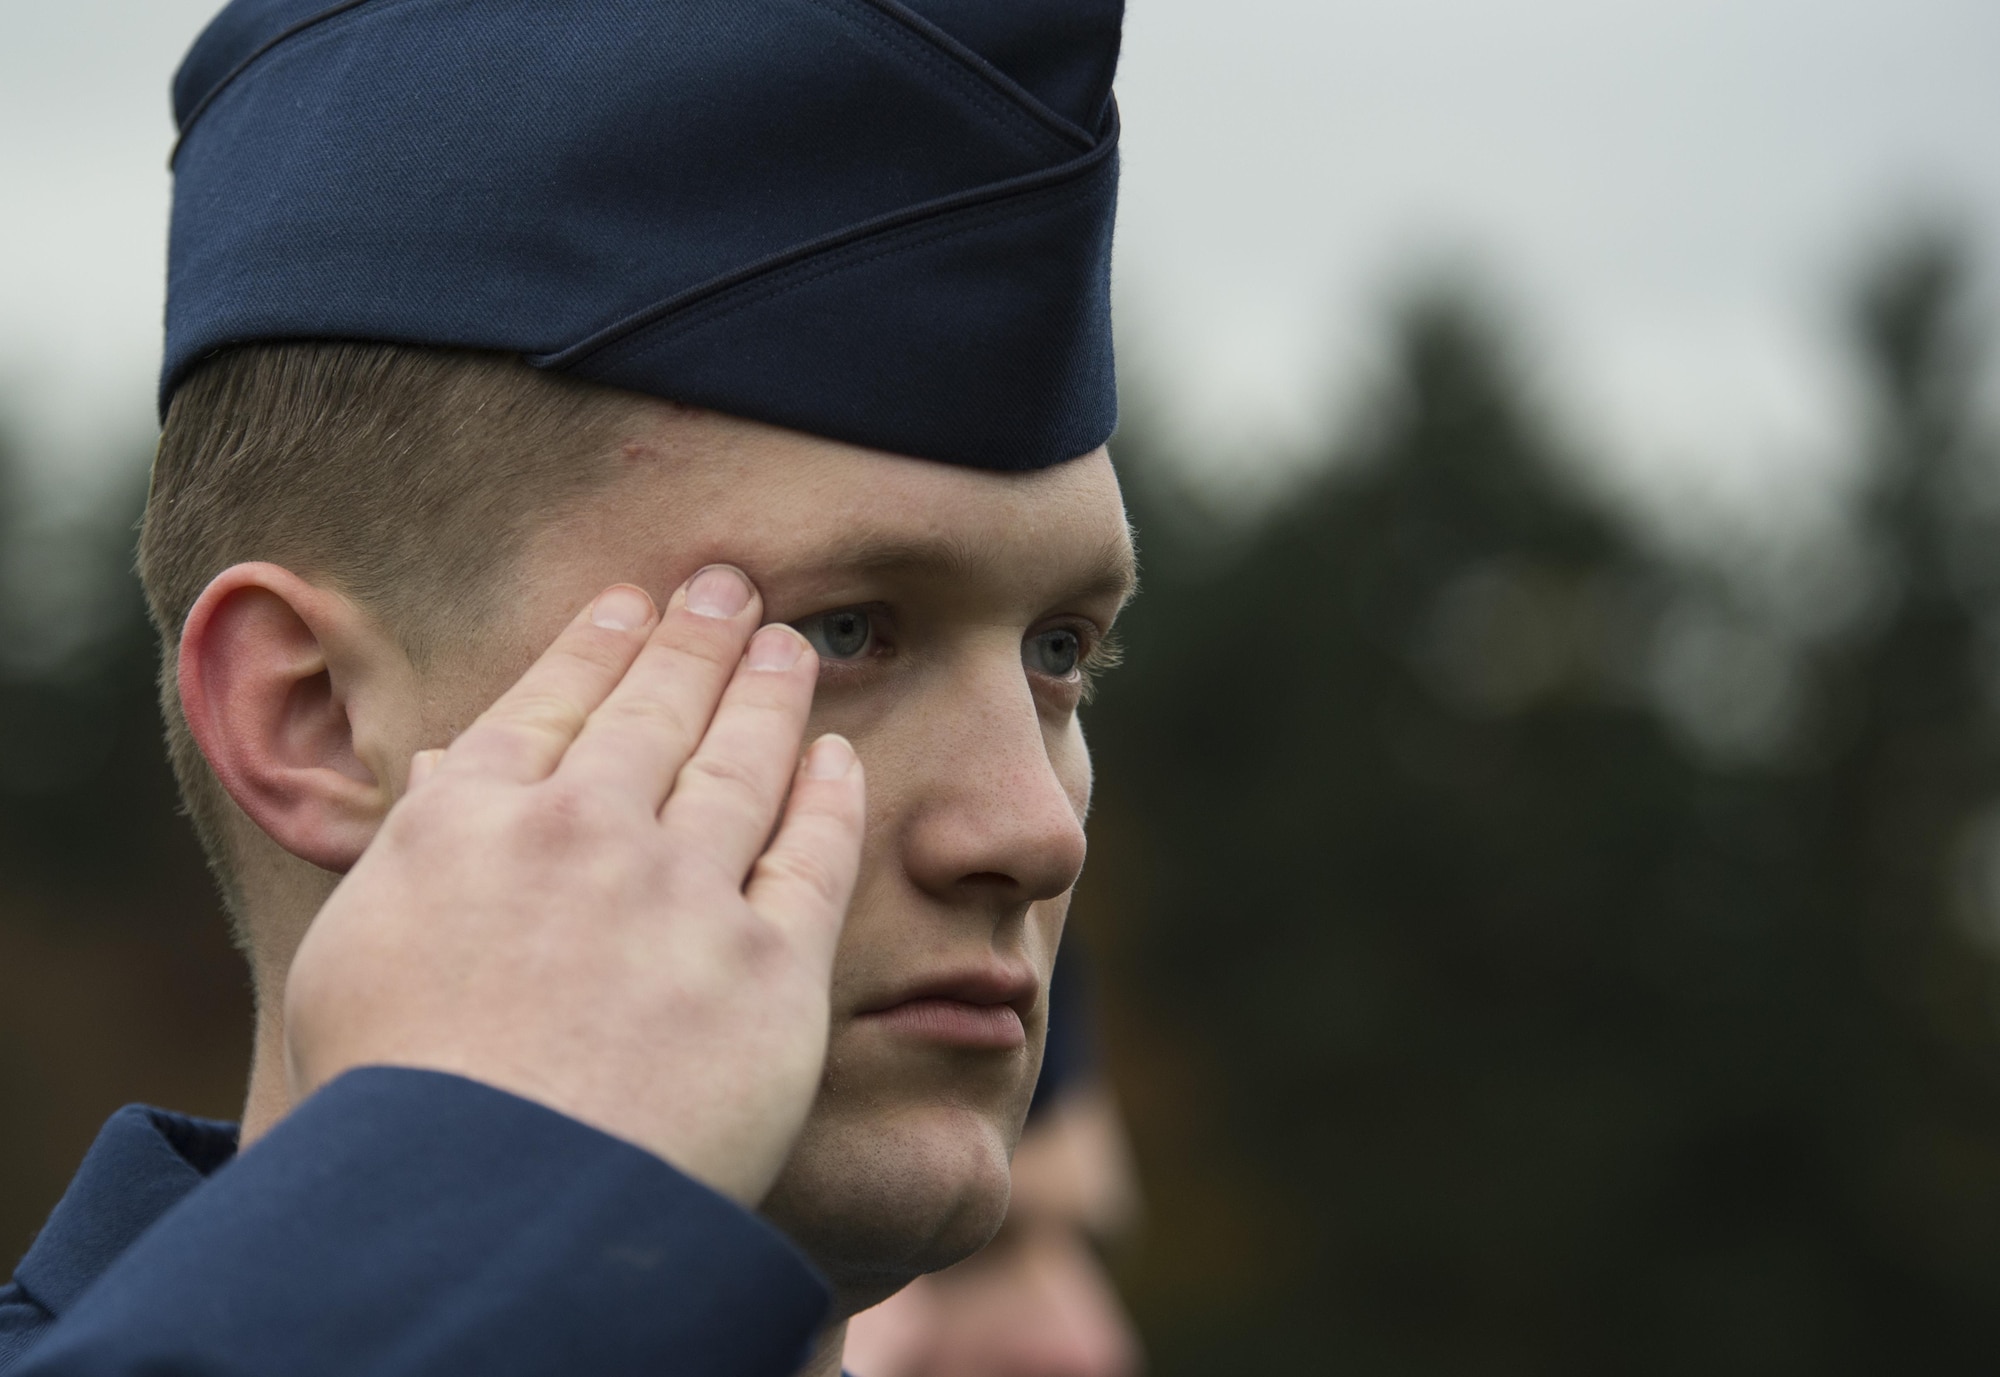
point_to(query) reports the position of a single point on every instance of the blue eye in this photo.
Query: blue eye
(1055, 653)
(843, 635)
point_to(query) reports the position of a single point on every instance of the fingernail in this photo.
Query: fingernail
(621, 609)
(718, 591)
(776, 647)
(421, 765)
(830, 758)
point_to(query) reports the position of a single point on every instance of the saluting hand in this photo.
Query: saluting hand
(617, 893)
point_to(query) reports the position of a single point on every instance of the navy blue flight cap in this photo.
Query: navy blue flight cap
(886, 223)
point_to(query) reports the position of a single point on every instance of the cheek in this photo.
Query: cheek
(1069, 757)
(870, 939)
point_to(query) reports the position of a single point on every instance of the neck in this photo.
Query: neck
(270, 1095)
(280, 895)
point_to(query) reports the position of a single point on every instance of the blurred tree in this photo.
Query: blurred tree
(117, 982)
(1519, 960)
(84, 789)
(1535, 1038)
(1904, 872)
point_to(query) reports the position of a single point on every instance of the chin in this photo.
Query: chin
(877, 1199)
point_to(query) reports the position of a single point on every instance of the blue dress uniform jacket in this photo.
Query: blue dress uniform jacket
(400, 1222)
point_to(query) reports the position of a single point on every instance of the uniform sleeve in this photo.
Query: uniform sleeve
(404, 1222)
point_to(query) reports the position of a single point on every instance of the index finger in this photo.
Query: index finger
(523, 736)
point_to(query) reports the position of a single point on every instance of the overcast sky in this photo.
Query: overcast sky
(1670, 190)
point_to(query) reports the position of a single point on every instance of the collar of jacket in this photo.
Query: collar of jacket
(144, 1162)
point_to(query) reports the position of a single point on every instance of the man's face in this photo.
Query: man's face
(956, 614)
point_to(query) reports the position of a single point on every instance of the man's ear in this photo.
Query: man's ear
(303, 706)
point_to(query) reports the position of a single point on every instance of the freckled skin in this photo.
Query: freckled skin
(978, 775)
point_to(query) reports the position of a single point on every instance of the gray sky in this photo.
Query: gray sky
(1670, 190)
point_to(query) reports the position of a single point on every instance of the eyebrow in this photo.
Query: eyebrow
(1111, 570)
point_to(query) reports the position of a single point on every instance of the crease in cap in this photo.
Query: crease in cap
(885, 223)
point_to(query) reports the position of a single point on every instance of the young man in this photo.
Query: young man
(523, 361)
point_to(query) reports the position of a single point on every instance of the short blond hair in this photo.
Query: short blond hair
(406, 477)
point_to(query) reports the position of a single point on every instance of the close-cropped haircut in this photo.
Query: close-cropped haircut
(407, 478)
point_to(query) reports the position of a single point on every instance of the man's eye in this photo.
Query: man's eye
(844, 635)
(1055, 653)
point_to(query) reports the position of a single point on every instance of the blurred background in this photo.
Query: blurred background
(1545, 891)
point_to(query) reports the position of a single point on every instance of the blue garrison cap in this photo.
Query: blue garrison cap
(886, 223)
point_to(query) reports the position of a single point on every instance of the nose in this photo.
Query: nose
(1002, 794)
